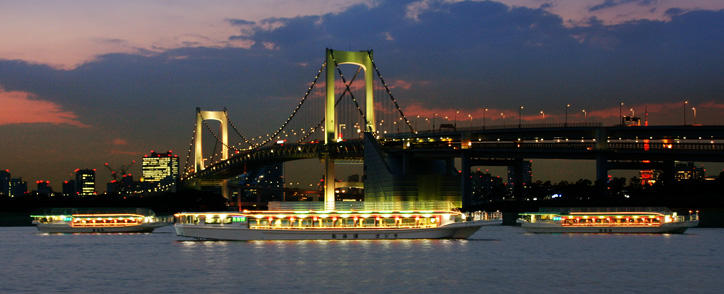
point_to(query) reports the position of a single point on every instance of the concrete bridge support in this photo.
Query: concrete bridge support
(602, 172)
(518, 178)
(466, 186)
(329, 196)
(202, 115)
(333, 58)
(669, 171)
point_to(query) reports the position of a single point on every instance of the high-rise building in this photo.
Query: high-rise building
(44, 187)
(85, 182)
(160, 167)
(69, 188)
(526, 174)
(5, 183)
(18, 187)
(688, 172)
(10, 187)
(486, 187)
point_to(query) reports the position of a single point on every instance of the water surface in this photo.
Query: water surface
(496, 259)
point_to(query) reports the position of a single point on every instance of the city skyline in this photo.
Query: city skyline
(82, 87)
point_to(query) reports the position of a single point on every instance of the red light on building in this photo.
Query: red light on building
(76, 170)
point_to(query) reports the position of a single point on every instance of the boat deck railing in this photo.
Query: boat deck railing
(264, 227)
(364, 205)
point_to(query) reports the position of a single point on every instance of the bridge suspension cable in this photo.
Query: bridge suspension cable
(233, 127)
(387, 89)
(218, 140)
(296, 109)
(321, 122)
(187, 168)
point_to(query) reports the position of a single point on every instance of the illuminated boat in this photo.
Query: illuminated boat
(607, 221)
(98, 223)
(331, 225)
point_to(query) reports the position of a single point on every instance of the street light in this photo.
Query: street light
(520, 116)
(565, 123)
(693, 109)
(620, 112)
(455, 119)
(585, 114)
(471, 120)
(502, 118)
(686, 102)
(542, 114)
(485, 110)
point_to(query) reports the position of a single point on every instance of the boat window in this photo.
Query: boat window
(368, 222)
(388, 222)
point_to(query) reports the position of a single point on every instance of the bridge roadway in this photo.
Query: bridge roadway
(683, 143)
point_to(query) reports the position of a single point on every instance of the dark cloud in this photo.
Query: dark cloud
(240, 22)
(613, 3)
(464, 55)
(486, 50)
(674, 11)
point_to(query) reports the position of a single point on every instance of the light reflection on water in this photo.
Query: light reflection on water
(494, 260)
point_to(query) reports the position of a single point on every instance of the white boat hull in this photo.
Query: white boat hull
(677, 227)
(461, 230)
(65, 228)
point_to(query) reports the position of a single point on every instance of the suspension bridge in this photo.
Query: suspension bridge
(337, 119)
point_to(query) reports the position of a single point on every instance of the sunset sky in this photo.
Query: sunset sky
(87, 82)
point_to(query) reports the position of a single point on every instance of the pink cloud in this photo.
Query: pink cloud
(119, 141)
(401, 84)
(20, 107)
(658, 113)
(125, 152)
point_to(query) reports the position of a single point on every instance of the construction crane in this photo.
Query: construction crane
(122, 172)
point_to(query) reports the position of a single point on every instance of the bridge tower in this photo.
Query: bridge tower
(217, 115)
(333, 58)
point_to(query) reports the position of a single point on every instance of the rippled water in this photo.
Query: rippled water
(497, 259)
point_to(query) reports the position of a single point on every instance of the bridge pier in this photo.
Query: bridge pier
(668, 171)
(329, 182)
(602, 173)
(465, 182)
(518, 178)
(225, 191)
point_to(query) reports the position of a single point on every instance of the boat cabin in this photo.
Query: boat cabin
(601, 218)
(93, 220)
(323, 219)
